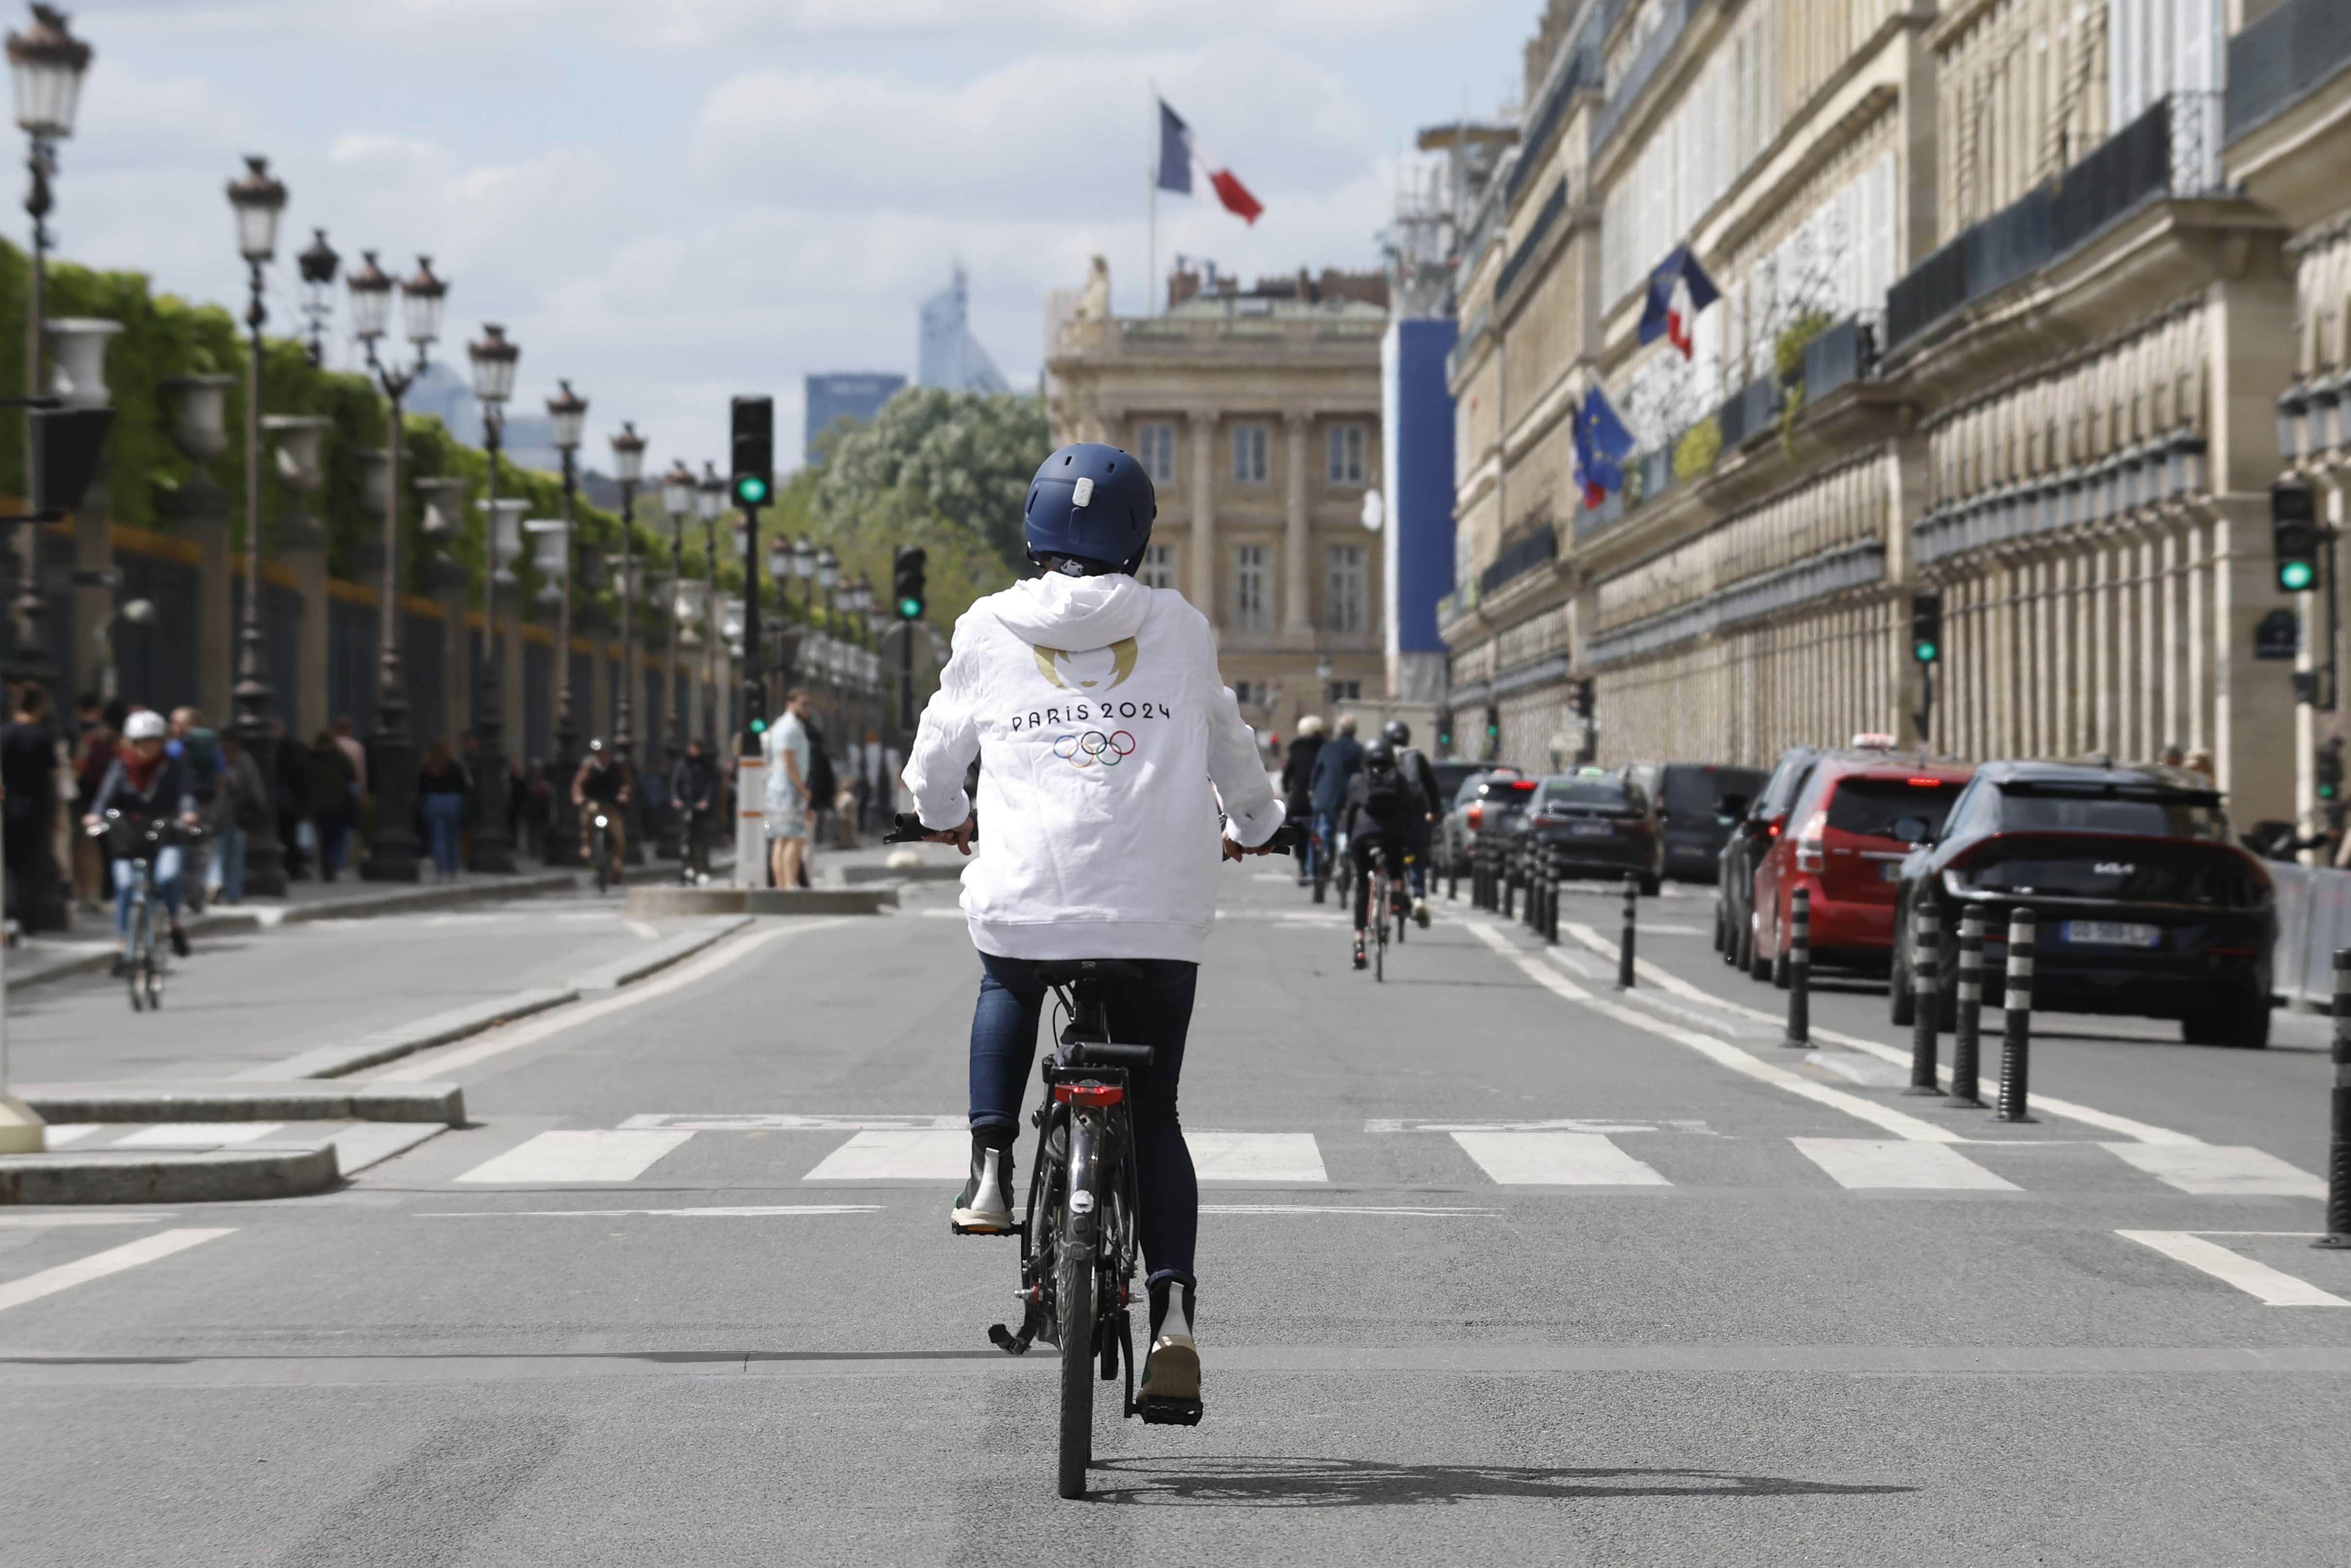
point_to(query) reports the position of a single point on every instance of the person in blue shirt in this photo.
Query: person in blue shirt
(1334, 766)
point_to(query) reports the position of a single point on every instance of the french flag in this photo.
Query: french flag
(1179, 149)
(1678, 290)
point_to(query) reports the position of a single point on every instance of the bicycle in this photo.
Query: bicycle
(143, 962)
(601, 826)
(1377, 905)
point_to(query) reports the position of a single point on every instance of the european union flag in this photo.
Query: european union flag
(1666, 314)
(1602, 444)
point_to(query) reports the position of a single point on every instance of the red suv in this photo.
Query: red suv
(1855, 823)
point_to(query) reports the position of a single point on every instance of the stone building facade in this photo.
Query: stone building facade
(1259, 416)
(2008, 294)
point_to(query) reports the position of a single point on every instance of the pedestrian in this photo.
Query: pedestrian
(469, 757)
(94, 750)
(1334, 767)
(289, 793)
(443, 789)
(198, 748)
(694, 787)
(29, 805)
(2200, 761)
(363, 822)
(820, 791)
(1298, 777)
(330, 783)
(532, 808)
(789, 761)
(244, 809)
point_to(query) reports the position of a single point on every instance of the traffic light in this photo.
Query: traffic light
(67, 445)
(1443, 731)
(1579, 697)
(1493, 723)
(907, 589)
(2330, 772)
(2293, 536)
(1927, 628)
(755, 451)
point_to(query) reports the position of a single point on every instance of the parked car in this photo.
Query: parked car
(1593, 823)
(2148, 905)
(1489, 798)
(1688, 797)
(1749, 834)
(1853, 824)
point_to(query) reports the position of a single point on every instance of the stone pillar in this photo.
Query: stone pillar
(77, 376)
(199, 512)
(1297, 537)
(1201, 588)
(301, 542)
(449, 585)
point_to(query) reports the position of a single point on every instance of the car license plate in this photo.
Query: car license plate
(1589, 829)
(2112, 933)
(1889, 871)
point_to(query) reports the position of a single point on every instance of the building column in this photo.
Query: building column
(1202, 583)
(1297, 537)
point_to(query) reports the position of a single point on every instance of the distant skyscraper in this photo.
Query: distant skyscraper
(950, 356)
(850, 395)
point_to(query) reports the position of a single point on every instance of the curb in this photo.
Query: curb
(390, 1045)
(715, 900)
(660, 957)
(225, 1175)
(929, 870)
(225, 1100)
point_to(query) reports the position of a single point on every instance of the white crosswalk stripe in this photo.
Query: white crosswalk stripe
(1556, 1160)
(899, 1154)
(1256, 1156)
(2220, 1169)
(608, 1155)
(1895, 1163)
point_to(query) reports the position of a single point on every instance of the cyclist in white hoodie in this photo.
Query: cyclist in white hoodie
(1108, 741)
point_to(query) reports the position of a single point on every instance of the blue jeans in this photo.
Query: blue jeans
(1323, 845)
(443, 812)
(166, 886)
(1155, 1011)
(225, 875)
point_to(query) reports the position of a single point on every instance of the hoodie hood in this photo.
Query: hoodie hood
(1075, 614)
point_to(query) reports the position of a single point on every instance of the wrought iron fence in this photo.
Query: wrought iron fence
(1537, 549)
(2274, 61)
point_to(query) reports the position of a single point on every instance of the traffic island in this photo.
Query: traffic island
(651, 902)
(210, 1175)
(245, 1100)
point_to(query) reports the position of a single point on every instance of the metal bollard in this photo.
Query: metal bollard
(2338, 1147)
(2016, 1043)
(1800, 969)
(1967, 1032)
(1452, 879)
(1551, 913)
(1625, 939)
(1927, 1015)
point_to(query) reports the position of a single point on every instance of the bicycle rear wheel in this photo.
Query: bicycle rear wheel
(136, 955)
(1074, 1306)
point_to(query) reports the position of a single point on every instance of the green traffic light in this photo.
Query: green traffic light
(910, 608)
(758, 726)
(2296, 576)
(751, 490)
(1927, 653)
(2326, 791)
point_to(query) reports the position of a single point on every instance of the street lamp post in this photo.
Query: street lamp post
(317, 266)
(566, 411)
(46, 62)
(677, 500)
(257, 200)
(391, 761)
(494, 357)
(629, 466)
(709, 500)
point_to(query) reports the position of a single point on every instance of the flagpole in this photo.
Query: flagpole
(1151, 207)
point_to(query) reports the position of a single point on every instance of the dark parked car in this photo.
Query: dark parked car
(1489, 797)
(1755, 823)
(1593, 823)
(2146, 905)
(1687, 795)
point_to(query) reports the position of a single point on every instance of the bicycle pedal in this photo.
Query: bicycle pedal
(982, 1230)
(1158, 1410)
(1006, 1340)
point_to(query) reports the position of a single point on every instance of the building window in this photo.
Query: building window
(1250, 571)
(1346, 454)
(1159, 566)
(1342, 602)
(1249, 694)
(1346, 691)
(1159, 452)
(1250, 443)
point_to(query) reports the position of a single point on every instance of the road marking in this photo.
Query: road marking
(1555, 1159)
(1339, 1208)
(768, 1211)
(2270, 1286)
(1899, 1123)
(56, 1221)
(1882, 1163)
(433, 1064)
(899, 1154)
(2145, 1132)
(2220, 1169)
(182, 1135)
(780, 1122)
(599, 1155)
(373, 1143)
(644, 928)
(98, 1266)
(57, 1134)
(1550, 1124)
(1256, 1156)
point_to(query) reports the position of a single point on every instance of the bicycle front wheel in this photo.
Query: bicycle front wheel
(1075, 1307)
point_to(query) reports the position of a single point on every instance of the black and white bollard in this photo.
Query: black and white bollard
(1551, 913)
(1967, 1032)
(2338, 1146)
(1927, 1002)
(1452, 879)
(1800, 969)
(1509, 887)
(2016, 1042)
(1624, 937)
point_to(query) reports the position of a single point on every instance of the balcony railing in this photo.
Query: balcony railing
(1554, 204)
(2174, 148)
(2282, 56)
(1847, 352)
(1582, 70)
(1652, 54)
(1538, 549)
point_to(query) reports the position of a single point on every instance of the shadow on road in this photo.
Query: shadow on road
(1249, 1481)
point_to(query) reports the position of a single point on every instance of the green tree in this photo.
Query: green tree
(964, 458)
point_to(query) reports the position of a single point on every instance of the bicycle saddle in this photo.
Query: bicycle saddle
(1070, 971)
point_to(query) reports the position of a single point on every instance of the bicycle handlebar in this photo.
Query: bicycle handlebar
(906, 828)
(1094, 1054)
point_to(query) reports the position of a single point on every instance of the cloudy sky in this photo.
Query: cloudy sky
(669, 201)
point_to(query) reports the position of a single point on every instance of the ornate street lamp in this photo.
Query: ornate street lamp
(257, 200)
(391, 761)
(493, 358)
(677, 500)
(566, 411)
(804, 568)
(709, 500)
(46, 62)
(628, 467)
(319, 265)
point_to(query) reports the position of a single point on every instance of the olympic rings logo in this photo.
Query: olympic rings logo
(1093, 746)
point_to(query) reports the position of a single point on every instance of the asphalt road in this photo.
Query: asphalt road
(1498, 1266)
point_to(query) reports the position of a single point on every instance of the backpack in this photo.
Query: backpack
(202, 758)
(1386, 795)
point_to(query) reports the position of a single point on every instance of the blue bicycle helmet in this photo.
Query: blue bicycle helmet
(1090, 507)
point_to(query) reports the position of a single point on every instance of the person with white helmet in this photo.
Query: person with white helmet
(1111, 741)
(145, 787)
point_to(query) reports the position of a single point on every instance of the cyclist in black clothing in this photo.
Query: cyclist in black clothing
(1382, 806)
(1413, 765)
(604, 778)
(693, 793)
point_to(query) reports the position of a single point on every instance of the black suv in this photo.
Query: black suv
(1685, 794)
(2146, 906)
(1756, 821)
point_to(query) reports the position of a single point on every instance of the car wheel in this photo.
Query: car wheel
(1902, 1002)
(2241, 1022)
(1651, 886)
(1759, 963)
(1717, 928)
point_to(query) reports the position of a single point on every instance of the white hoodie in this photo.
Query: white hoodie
(1095, 705)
